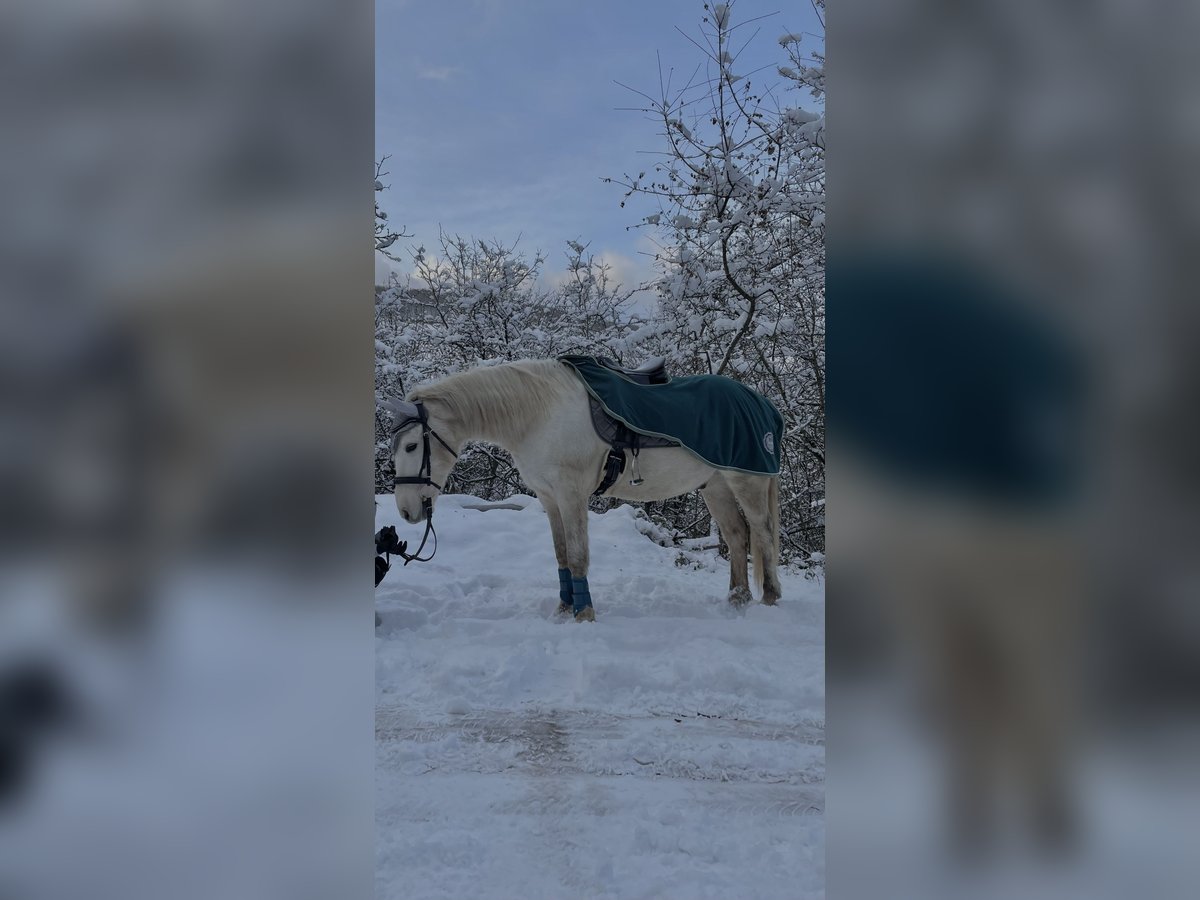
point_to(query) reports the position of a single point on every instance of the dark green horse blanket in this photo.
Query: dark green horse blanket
(723, 422)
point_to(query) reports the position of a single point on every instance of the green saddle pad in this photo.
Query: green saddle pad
(723, 422)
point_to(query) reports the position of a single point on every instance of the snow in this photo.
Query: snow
(683, 129)
(800, 116)
(673, 749)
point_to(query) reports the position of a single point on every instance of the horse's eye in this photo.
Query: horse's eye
(410, 448)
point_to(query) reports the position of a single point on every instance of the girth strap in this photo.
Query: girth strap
(614, 465)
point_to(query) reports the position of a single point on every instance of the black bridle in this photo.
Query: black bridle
(405, 419)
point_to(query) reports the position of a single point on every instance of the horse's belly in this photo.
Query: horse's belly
(664, 471)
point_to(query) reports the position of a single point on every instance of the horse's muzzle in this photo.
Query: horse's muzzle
(416, 518)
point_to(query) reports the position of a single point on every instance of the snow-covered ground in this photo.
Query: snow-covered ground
(673, 749)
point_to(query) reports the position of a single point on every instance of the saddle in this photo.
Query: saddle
(652, 371)
(615, 433)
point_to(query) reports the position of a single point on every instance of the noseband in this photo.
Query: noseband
(423, 477)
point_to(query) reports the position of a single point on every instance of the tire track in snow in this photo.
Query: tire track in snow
(563, 743)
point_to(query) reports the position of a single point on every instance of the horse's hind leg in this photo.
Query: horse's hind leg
(719, 499)
(758, 496)
(558, 533)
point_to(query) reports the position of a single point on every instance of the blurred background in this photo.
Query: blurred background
(1013, 632)
(186, 274)
(186, 674)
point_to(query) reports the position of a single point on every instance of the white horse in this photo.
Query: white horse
(538, 411)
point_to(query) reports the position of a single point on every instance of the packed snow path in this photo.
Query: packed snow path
(673, 749)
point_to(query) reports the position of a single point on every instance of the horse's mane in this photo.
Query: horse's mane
(493, 398)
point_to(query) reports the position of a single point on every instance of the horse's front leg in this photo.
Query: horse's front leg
(573, 510)
(558, 533)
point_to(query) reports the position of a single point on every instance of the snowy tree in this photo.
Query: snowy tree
(477, 302)
(384, 235)
(740, 196)
(388, 371)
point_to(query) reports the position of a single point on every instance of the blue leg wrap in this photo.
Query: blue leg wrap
(580, 595)
(564, 587)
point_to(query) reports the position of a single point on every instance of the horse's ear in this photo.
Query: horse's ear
(400, 409)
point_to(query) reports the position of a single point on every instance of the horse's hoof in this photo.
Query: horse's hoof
(564, 610)
(739, 597)
(587, 614)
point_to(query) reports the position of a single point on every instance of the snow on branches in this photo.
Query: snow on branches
(740, 220)
(476, 302)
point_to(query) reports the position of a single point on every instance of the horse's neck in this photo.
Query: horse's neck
(499, 414)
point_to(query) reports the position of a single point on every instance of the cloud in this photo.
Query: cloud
(628, 272)
(384, 267)
(633, 272)
(437, 73)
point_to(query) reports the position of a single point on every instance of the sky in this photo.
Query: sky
(501, 117)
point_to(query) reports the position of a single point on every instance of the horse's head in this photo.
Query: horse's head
(422, 458)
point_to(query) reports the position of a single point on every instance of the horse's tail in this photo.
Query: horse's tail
(760, 552)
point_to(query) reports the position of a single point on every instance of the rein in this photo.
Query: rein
(424, 476)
